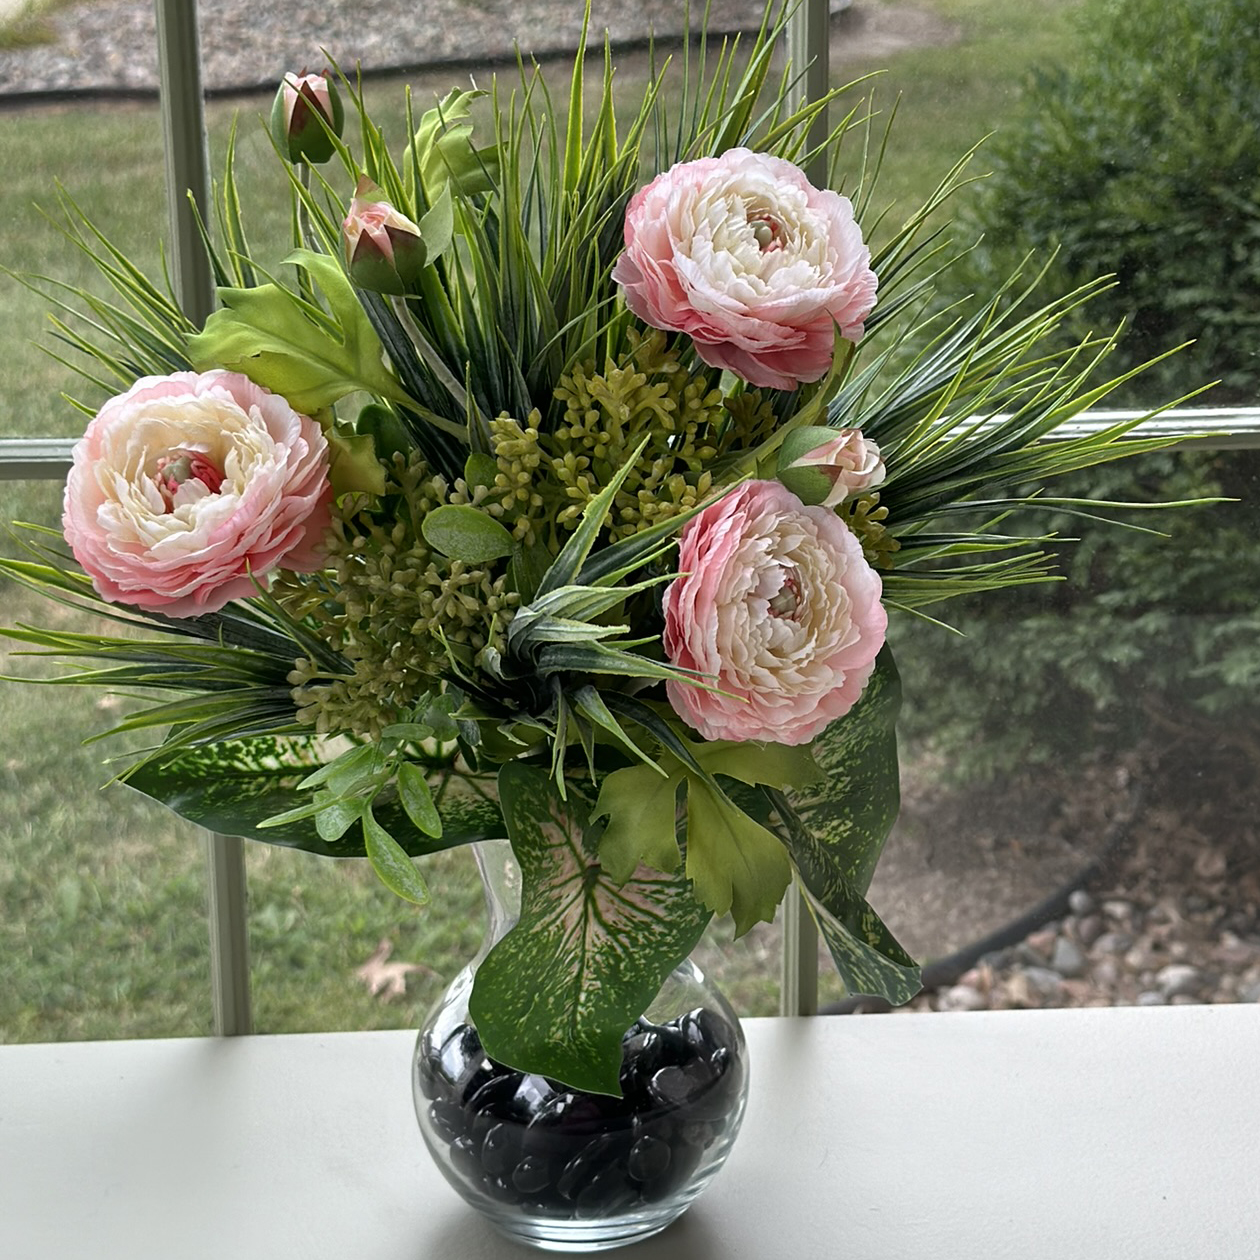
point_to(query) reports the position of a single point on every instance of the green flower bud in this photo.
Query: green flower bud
(384, 249)
(301, 102)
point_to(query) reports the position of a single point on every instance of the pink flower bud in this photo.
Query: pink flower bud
(384, 250)
(827, 466)
(301, 102)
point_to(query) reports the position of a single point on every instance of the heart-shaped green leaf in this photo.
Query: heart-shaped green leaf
(557, 993)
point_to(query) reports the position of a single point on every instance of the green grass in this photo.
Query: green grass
(102, 923)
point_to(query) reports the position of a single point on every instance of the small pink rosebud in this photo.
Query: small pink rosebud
(301, 102)
(384, 249)
(827, 466)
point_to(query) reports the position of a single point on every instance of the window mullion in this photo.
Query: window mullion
(188, 186)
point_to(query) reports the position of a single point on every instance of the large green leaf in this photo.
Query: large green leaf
(737, 864)
(847, 814)
(835, 831)
(233, 786)
(735, 861)
(867, 955)
(557, 993)
(274, 337)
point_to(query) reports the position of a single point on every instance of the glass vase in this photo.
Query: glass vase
(565, 1170)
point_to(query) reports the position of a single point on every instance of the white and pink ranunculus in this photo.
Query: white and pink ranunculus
(779, 609)
(826, 466)
(187, 489)
(750, 260)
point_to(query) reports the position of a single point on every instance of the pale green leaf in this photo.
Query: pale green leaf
(336, 818)
(734, 862)
(465, 533)
(268, 334)
(346, 773)
(353, 463)
(392, 865)
(641, 806)
(775, 765)
(437, 227)
(417, 799)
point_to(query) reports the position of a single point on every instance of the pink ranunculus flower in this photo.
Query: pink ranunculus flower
(187, 489)
(750, 260)
(778, 607)
(842, 464)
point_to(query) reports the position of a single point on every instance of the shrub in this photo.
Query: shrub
(1142, 160)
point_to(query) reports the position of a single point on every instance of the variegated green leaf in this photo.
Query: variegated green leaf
(557, 993)
(867, 955)
(847, 813)
(836, 830)
(233, 786)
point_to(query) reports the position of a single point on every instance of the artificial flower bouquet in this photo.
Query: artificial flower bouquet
(559, 485)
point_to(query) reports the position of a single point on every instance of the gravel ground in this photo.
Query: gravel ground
(1170, 914)
(111, 43)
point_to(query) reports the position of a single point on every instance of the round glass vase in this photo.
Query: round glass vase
(566, 1170)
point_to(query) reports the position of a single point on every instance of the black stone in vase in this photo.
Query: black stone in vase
(563, 1153)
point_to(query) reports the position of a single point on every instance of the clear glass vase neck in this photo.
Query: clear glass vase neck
(501, 883)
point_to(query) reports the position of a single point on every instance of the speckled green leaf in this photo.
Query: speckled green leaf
(867, 955)
(233, 786)
(848, 813)
(835, 832)
(555, 995)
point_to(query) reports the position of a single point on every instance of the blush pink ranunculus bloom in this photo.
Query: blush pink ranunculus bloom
(756, 265)
(188, 489)
(778, 608)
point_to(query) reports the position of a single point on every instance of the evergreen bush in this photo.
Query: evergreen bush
(1141, 159)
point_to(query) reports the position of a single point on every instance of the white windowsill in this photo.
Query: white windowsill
(1068, 1135)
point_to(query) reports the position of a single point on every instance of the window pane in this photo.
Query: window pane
(1156, 691)
(102, 892)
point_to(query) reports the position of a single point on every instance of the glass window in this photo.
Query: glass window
(1094, 741)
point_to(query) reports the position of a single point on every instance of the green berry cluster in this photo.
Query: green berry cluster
(865, 517)
(546, 478)
(396, 610)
